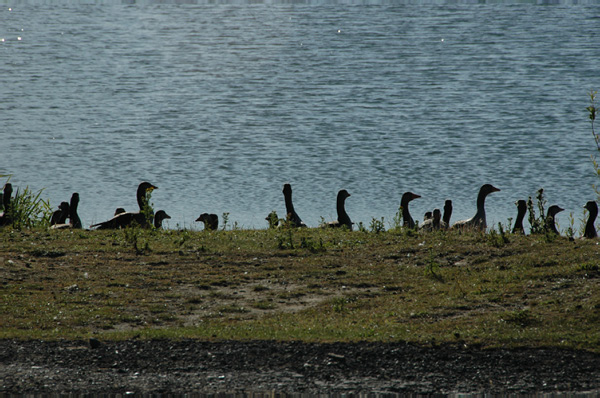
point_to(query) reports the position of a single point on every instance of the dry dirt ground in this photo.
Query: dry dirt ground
(288, 368)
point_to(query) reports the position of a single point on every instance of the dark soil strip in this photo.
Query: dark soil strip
(189, 366)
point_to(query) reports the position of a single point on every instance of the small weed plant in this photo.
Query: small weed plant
(225, 220)
(376, 225)
(432, 270)
(148, 210)
(538, 223)
(498, 238)
(397, 220)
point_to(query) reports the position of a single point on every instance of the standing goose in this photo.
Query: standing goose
(159, 217)
(438, 223)
(74, 219)
(291, 215)
(5, 217)
(590, 229)
(59, 217)
(478, 221)
(126, 219)
(408, 221)
(343, 218)
(447, 212)
(550, 222)
(211, 221)
(521, 210)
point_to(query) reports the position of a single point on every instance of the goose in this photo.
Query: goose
(550, 222)
(211, 221)
(521, 210)
(343, 218)
(126, 219)
(291, 215)
(435, 223)
(408, 221)
(5, 217)
(159, 217)
(60, 216)
(74, 219)
(447, 212)
(590, 229)
(478, 221)
(427, 216)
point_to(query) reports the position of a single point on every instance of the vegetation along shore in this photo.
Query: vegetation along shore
(454, 297)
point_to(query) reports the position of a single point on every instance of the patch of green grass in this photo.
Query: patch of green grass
(325, 285)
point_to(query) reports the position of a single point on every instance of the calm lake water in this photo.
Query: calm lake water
(221, 104)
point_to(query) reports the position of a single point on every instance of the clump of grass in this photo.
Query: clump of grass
(232, 309)
(264, 305)
(522, 318)
(131, 235)
(432, 269)
(312, 245)
(498, 239)
(28, 210)
(285, 240)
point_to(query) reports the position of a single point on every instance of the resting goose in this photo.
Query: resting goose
(435, 223)
(521, 211)
(59, 217)
(74, 221)
(427, 216)
(211, 221)
(126, 219)
(408, 221)
(5, 217)
(159, 217)
(343, 218)
(590, 229)
(478, 221)
(291, 215)
(447, 212)
(550, 222)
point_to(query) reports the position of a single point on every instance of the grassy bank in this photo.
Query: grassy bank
(311, 284)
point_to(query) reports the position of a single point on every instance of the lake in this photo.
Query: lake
(221, 103)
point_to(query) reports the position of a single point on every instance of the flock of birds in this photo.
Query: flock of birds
(435, 220)
(432, 221)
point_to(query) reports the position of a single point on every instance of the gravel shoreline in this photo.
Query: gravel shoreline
(191, 366)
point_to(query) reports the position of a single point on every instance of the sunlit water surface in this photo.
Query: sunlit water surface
(220, 104)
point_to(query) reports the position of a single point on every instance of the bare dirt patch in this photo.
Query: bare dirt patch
(190, 366)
